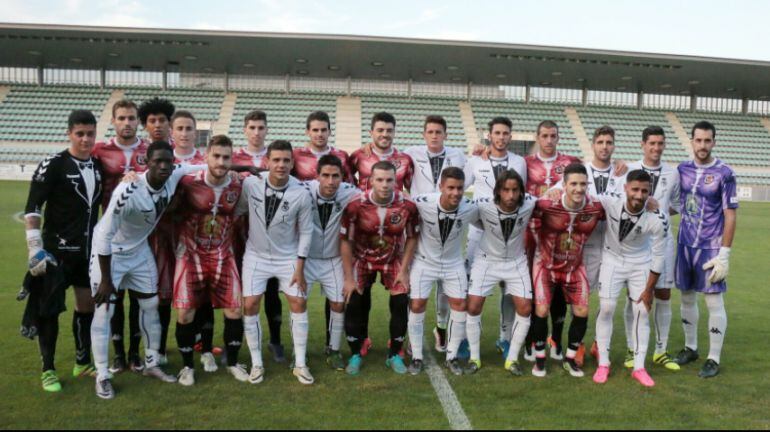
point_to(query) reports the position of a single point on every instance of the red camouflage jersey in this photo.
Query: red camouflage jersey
(378, 232)
(115, 164)
(306, 163)
(540, 178)
(561, 233)
(208, 223)
(245, 158)
(196, 158)
(361, 164)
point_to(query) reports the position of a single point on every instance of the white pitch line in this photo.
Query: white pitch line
(452, 409)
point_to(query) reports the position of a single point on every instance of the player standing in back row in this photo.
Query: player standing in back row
(709, 206)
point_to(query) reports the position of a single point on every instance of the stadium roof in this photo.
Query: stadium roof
(365, 57)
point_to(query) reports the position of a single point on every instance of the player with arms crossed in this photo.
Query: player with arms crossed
(634, 244)
(69, 186)
(665, 189)
(378, 235)
(430, 161)
(439, 258)
(206, 272)
(481, 173)
(501, 258)
(123, 153)
(562, 228)
(280, 233)
(709, 203)
(122, 259)
(383, 131)
(324, 265)
(545, 169)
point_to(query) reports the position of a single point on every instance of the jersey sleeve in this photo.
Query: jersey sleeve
(658, 240)
(729, 192)
(181, 170)
(305, 221)
(409, 174)
(107, 227)
(43, 181)
(348, 220)
(352, 167)
(413, 223)
(468, 171)
(674, 203)
(242, 207)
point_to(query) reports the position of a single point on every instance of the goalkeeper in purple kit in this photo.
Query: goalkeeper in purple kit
(706, 231)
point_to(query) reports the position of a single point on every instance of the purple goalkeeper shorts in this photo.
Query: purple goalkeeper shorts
(689, 270)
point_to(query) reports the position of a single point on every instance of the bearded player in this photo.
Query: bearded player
(430, 161)
(501, 259)
(123, 153)
(439, 259)
(482, 173)
(545, 169)
(709, 206)
(205, 270)
(562, 228)
(330, 197)
(665, 189)
(378, 235)
(383, 132)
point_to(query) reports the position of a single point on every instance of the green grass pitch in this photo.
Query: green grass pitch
(738, 398)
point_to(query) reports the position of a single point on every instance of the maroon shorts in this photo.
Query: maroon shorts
(200, 278)
(367, 272)
(162, 246)
(573, 284)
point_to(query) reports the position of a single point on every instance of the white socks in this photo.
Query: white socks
(628, 319)
(604, 329)
(507, 314)
(717, 324)
(473, 333)
(100, 339)
(641, 334)
(149, 322)
(336, 328)
(662, 319)
(299, 330)
(442, 307)
(518, 335)
(455, 333)
(253, 330)
(689, 310)
(416, 326)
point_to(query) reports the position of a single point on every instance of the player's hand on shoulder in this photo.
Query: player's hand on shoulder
(652, 205)
(130, 177)
(553, 194)
(620, 168)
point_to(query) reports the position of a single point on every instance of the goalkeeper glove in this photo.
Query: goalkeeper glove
(38, 257)
(719, 266)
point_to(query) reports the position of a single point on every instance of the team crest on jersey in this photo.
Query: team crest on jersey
(638, 230)
(663, 181)
(285, 206)
(559, 169)
(708, 179)
(231, 197)
(141, 160)
(395, 219)
(337, 207)
(586, 217)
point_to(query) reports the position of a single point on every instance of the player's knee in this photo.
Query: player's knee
(148, 303)
(185, 316)
(580, 311)
(232, 313)
(251, 305)
(523, 308)
(296, 304)
(542, 311)
(663, 294)
(418, 305)
(337, 307)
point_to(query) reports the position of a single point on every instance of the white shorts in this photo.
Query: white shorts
(592, 261)
(256, 273)
(614, 276)
(666, 279)
(136, 272)
(328, 273)
(486, 274)
(454, 280)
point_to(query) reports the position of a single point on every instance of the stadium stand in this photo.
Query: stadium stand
(525, 119)
(628, 124)
(741, 139)
(410, 115)
(39, 114)
(286, 114)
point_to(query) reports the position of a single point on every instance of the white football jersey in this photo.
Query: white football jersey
(280, 219)
(633, 239)
(481, 174)
(428, 167)
(665, 184)
(327, 214)
(503, 237)
(441, 232)
(133, 212)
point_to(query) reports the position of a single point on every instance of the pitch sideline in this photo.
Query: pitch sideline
(452, 409)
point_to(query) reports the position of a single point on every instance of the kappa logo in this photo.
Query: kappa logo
(715, 330)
